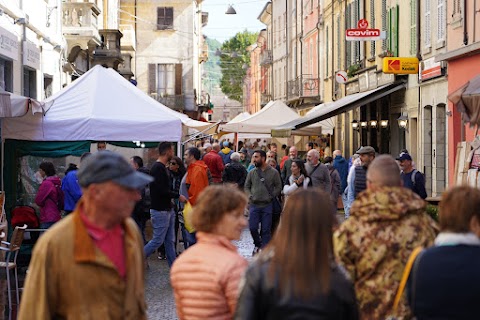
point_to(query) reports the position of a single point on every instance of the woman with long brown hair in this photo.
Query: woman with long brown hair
(295, 276)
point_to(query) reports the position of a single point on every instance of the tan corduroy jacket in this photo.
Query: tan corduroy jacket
(70, 278)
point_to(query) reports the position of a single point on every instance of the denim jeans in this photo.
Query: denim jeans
(263, 216)
(189, 239)
(163, 224)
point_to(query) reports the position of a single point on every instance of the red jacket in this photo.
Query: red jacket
(215, 164)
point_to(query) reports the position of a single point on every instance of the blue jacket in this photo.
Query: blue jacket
(341, 165)
(71, 189)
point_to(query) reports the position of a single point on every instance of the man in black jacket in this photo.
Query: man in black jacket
(234, 172)
(161, 211)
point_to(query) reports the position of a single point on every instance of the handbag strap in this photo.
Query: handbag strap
(262, 179)
(406, 273)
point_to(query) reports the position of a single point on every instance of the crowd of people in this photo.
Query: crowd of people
(306, 264)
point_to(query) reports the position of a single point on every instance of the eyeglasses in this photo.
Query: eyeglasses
(173, 163)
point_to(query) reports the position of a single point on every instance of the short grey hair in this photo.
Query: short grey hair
(235, 157)
(314, 153)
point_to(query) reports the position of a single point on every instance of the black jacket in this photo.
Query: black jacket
(261, 300)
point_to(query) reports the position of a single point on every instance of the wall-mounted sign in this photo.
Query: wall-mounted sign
(341, 76)
(398, 65)
(430, 69)
(8, 44)
(362, 33)
(31, 55)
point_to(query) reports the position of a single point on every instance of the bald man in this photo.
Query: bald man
(387, 221)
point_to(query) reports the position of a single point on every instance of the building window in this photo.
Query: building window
(29, 83)
(47, 86)
(6, 75)
(165, 79)
(164, 18)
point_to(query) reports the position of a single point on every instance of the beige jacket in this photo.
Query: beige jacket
(205, 279)
(70, 278)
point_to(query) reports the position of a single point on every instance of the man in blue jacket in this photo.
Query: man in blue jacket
(71, 188)
(341, 164)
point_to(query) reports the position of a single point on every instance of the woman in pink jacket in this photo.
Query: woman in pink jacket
(205, 278)
(49, 196)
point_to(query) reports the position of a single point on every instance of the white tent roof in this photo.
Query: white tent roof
(12, 105)
(273, 114)
(100, 105)
(240, 117)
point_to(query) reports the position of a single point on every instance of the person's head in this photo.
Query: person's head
(101, 145)
(226, 217)
(328, 160)
(243, 155)
(46, 169)
(337, 153)
(84, 156)
(191, 155)
(235, 157)
(208, 147)
(216, 147)
(459, 210)
(165, 150)
(226, 144)
(309, 146)
(273, 147)
(110, 187)
(313, 156)
(367, 154)
(136, 162)
(383, 172)
(272, 163)
(176, 165)
(248, 145)
(405, 161)
(298, 168)
(305, 234)
(271, 155)
(259, 158)
(293, 152)
(240, 145)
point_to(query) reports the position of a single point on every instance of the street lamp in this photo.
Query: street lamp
(403, 122)
(355, 125)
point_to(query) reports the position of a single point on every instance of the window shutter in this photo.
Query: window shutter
(441, 20)
(178, 79)
(348, 44)
(152, 78)
(339, 48)
(413, 27)
(372, 24)
(384, 24)
(428, 28)
(169, 17)
(327, 51)
(356, 44)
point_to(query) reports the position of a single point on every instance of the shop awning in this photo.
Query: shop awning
(335, 108)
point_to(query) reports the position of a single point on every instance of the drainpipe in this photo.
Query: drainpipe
(318, 50)
(286, 47)
(135, 27)
(465, 26)
(333, 53)
(301, 48)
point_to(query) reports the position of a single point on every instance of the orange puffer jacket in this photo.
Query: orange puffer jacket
(205, 278)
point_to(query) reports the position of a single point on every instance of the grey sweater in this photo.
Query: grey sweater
(320, 177)
(257, 191)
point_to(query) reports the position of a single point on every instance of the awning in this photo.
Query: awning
(337, 107)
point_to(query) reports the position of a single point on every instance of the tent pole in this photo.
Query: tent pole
(235, 140)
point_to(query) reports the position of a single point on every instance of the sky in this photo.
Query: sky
(223, 26)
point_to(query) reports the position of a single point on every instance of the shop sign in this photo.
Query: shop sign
(430, 69)
(8, 44)
(31, 55)
(362, 32)
(398, 65)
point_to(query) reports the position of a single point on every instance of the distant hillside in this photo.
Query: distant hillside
(213, 72)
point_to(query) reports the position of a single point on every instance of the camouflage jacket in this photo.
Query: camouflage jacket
(374, 244)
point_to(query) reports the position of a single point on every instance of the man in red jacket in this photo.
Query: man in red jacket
(215, 163)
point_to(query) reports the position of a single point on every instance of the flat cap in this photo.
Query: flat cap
(105, 166)
(365, 150)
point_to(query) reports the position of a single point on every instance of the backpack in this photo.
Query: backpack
(414, 173)
(22, 215)
(60, 197)
(146, 198)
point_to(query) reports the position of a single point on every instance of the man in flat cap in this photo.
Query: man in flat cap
(359, 178)
(90, 265)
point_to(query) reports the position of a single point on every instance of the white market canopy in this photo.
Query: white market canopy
(274, 114)
(12, 105)
(100, 105)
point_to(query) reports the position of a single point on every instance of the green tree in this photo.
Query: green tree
(234, 56)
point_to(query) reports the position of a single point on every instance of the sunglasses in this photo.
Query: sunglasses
(173, 163)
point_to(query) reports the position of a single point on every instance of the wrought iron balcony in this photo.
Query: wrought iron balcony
(266, 57)
(303, 86)
(175, 102)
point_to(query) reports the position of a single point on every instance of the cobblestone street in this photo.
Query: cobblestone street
(158, 292)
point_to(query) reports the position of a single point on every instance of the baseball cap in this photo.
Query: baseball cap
(105, 166)
(404, 156)
(226, 143)
(365, 150)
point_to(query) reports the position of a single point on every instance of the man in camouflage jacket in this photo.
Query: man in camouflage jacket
(386, 223)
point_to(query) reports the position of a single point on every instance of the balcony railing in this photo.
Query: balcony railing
(175, 102)
(265, 98)
(266, 57)
(303, 86)
(80, 19)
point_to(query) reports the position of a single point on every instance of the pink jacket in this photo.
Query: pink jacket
(205, 279)
(47, 198)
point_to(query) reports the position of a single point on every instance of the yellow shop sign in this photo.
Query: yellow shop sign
(398, 65)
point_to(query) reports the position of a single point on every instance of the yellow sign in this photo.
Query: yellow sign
(398, 65)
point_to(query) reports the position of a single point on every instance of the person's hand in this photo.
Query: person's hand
(182, 198)
(300, 179)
